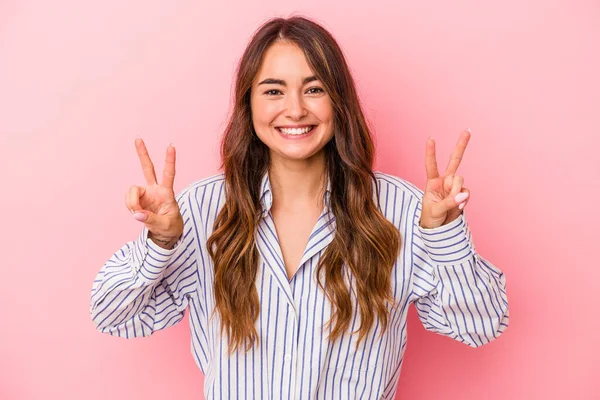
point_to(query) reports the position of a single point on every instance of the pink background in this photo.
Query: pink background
(79, 81)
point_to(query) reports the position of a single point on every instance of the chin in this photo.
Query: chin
(296, 154)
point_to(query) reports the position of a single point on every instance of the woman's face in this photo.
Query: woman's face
(291, 112)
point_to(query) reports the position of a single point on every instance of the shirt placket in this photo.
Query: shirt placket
(291, 353)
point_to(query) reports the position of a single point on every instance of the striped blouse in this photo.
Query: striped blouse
(143, 288)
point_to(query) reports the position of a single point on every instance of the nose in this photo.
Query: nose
(294, 107)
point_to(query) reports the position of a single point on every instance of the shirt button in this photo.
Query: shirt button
(287, 358)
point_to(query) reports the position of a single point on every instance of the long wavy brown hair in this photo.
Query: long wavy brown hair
(365, 241)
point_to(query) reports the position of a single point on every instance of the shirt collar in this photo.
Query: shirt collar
(266, 196)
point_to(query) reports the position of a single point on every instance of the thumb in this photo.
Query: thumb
(144, 216)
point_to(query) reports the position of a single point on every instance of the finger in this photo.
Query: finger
(169, 171)
(132, 199)
(448, 183)
(133, 203)
(464, 203)
(456, 195)
(147, 166)
(147, 217)
(431, 167)
(457, 183)
(459, 151)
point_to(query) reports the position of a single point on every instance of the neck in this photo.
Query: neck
(298, 184)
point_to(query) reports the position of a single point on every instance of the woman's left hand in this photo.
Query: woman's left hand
(440, 204)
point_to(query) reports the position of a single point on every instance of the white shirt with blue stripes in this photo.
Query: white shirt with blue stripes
(143, 288)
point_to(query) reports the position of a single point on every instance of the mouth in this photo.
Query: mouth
(296, 132)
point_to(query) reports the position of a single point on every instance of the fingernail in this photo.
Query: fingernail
(468, 130)
(462, 205)
(139, 216)
(461, 197)
(171, 144)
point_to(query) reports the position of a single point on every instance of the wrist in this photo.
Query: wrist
(166, 243)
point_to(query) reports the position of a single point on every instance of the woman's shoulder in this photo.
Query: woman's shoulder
(198, 188)
(389, 181)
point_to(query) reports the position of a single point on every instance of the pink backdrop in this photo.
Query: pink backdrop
(79, 81)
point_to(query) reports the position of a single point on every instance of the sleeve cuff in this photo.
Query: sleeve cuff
(149, 259)
(450, 243)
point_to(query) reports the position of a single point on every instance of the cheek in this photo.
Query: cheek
(263, 113)
(323, 110)
(330, 122)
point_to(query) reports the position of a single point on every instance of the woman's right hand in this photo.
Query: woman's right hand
(155, 204)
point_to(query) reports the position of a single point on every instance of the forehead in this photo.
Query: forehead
(284, 60)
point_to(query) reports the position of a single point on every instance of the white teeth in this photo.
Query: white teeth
(295, 131)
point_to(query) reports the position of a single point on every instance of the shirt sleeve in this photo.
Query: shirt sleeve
(457, 293)
(143, 288)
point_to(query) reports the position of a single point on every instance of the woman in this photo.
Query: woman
(298, 262)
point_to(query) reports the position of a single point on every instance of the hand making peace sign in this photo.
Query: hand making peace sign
(155, 204)
(445, 196)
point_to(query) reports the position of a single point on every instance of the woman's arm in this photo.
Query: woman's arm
(457, 293)
(143, 287)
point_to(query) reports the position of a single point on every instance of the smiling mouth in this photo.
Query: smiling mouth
(301, 131)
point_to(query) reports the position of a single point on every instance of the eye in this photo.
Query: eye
(272, 92)
(315, 90)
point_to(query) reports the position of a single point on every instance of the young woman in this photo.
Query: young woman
(298, 263)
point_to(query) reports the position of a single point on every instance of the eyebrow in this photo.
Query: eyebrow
(271, 81)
